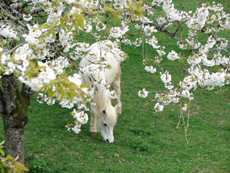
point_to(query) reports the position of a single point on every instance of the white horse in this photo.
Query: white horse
(103, 116)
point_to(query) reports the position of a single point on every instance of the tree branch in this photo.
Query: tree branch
(14, 48)
(178, 27)
(162, 29)
(16, 20)
(25, 4)
(216, 49)
(198, 5)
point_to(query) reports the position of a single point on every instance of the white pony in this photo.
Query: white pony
(103, 116)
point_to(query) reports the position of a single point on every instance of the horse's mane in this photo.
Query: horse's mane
(101, 99)
(104, 103)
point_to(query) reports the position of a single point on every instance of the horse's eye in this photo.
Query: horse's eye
(105, 124)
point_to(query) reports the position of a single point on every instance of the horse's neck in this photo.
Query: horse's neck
(101, 99)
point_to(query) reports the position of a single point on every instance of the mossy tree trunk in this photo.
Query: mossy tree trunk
(14, 105)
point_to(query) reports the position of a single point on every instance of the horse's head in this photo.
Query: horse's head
(106, 123)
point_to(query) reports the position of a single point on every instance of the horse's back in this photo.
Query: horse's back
(108, 74)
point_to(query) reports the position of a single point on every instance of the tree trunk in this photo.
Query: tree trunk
(14, 112)
(14, 142)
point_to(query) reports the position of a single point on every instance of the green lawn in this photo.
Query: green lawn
(144, 141)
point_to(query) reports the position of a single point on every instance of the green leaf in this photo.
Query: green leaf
(115, 19)
(21, 166)
(9, 157)
(81, 94)
(56, 22)
(70, 28)
(59, 88)
(73, 93)
(71, 85)
(2, 152)
(44, 26)
(49, 32)
(62, 95)
(63, 73)
(84, 86)
(50, 92)
(62, 24)
(30, 76)
(10, 171)
(109, 9)
(3, 142)
(12, 56)
(57, 80)
(43, 88)
(39, 68)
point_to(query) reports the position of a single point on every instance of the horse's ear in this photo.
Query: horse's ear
(104, 112)
(117, 108)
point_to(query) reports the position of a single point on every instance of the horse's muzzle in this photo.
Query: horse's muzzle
(107, 141)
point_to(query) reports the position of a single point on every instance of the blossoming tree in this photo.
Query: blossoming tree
(40, 39)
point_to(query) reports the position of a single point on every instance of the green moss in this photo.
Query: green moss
(21, 112)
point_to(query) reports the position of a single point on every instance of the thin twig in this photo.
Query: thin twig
(178, 27)
(217, 49)
(16, 20)
(14, 48)
(198, 5)
(25, 4)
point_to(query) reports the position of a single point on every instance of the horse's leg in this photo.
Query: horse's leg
(116, 85)
(93, 125)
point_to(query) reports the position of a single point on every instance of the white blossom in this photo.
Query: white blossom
(195, 59)
(166, 77)
(137, 42)
(158, 107)
(150, 69)
(119, 55)
(8, 32)
(115, 32)
(153, 42)
(27, 17)
(111, 94)
(173, 56)
(184, 107)
(77, 128)
(81, 116)
(161, 52)
(143, 93)
(169, 85)
(76, 78)
(185, 93)
(148, 30)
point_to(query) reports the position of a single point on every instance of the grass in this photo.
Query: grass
(144, 141)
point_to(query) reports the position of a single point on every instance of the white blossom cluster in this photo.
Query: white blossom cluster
(44, 77)
(173, 56)
(150, 69)
(8, 32)
(204, 18)
(143, 93)
(18, 63)
(81, 118)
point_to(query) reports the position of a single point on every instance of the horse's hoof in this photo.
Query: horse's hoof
(93, 133)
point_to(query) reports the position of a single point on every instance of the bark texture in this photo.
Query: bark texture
(14, 112)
